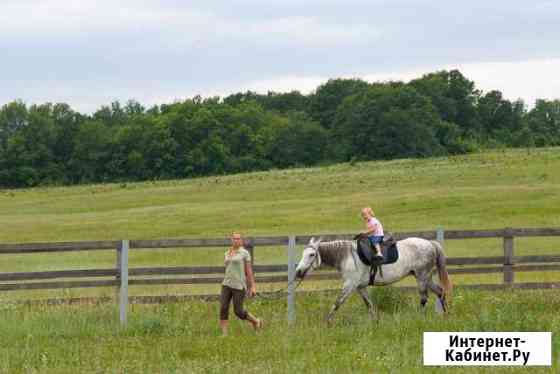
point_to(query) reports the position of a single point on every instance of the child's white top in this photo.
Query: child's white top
(374, 225)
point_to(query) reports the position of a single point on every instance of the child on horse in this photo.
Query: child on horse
(374, 232)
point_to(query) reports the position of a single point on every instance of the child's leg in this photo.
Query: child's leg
(377, 243)
(375, 248)
(373, 244)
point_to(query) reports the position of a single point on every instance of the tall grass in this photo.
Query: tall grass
(185, 337)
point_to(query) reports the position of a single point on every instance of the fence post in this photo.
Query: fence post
(118, 276)
(291, 279)
(508, 257)
(440, 235)
(123, 272)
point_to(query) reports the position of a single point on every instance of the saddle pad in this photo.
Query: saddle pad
(390, 255)
(364, 252)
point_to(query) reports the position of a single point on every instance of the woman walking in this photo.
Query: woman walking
(238, 281)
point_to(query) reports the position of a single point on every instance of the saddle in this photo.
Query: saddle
(365, 253)
(388, 247)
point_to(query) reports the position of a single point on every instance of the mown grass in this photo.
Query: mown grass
(488, 190)
(513, 188)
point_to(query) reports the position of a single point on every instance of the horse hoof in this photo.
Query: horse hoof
(440, 306)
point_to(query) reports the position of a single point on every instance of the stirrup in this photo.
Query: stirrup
(372, 273)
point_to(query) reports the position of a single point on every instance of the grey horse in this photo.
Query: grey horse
(418, 257)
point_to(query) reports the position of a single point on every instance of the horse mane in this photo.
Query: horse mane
(335, 252)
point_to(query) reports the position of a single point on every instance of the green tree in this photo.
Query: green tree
(544, 122)
(142, 149)
(295, 140)
(324, 102)
(386, 122)
(13, 116)
(455, 98)
(499, 117)
(92, 152)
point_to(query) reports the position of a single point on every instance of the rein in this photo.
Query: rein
(280, 293)
(275, 295)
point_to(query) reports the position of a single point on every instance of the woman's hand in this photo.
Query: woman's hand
(250, 279)
(252, 291)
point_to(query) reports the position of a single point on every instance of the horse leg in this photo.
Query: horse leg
(422, 281)
(436, 288)
(346, 291)
(365, 296)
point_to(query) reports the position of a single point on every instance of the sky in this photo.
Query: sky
(90, 53)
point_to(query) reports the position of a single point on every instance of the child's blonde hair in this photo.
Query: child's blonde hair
(368, 211)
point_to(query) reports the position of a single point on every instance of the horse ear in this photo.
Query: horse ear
(312, 241)
(319, 240)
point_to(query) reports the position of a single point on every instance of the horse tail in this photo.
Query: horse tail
(441, 264)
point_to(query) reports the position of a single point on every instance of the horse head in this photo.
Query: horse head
(310, 258)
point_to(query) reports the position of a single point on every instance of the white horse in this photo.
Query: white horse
(418, 257)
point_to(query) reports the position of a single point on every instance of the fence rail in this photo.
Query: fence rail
(122, 276)
(264, 241)
(536, 264)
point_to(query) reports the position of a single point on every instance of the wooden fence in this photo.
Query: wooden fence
(121, 277)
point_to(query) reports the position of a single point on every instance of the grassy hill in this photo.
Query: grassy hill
(495, 189)
(517, 188)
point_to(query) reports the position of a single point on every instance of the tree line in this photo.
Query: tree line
(344, 120)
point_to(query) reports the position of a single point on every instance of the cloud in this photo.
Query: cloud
(86, 52)
(507, 77)
(68, 18)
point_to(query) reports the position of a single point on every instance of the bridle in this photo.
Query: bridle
(316, 261)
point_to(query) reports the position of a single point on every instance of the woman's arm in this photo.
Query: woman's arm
(228, 255)
(250, 279)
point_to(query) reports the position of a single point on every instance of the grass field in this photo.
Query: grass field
(184, 337)
(488, 190)
(513, 188)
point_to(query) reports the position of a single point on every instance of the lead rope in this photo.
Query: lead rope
(275, 295)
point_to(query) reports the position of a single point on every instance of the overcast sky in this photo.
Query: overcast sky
(89, 53)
